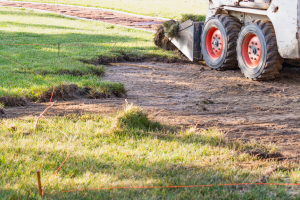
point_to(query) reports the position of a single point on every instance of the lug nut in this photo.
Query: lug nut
(216, 50)
(219, 38)
(257, 54)
(255, 43)
(250, 46)
(254, 58)
(214, 38)
(216, 35)
(219, 49)
(212, 43)
(251, 58)
(252, 42)
(249, 52)
(213, 48)
(257, 48)
(220, 43)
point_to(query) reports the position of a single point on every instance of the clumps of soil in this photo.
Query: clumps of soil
(170, 29)
(13, 101)
(72, 91)
(2, 111)
(162, 41)
(132, 121)
(129, 57)
(62, 92)
(262, 155)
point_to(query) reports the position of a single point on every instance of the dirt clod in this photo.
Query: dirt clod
(261, 155)
(97, 95)
(2, 111)
(63, 92)
(13, 101)
(162, 41)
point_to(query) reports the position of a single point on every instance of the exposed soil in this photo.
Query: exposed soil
(13, 101)
(2, 111)
(190, 94)
(95, 14)
(162, 41)
(64, 93)
(60, 93)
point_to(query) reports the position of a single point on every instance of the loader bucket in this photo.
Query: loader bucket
(188, 41)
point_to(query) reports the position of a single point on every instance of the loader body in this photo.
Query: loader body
(271, 26)
(284, 15)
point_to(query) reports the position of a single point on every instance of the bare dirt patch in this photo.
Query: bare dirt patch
(95, 14)
(175, 94)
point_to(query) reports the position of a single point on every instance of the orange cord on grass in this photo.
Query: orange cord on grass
(43, 188)
(183, 186)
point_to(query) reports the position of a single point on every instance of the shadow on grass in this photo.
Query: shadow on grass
(123, 169)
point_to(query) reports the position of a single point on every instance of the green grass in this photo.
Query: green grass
(112, 151)
(155, 8)
(79, 40)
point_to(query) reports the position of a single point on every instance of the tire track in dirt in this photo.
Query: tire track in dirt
(95, 14)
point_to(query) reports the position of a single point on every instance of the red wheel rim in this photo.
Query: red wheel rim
(214, 43)
(251, 50)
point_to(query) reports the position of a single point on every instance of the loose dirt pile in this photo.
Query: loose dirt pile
(162, 41)
(72, 91)
(13, 101)
(170, 29)
(62, 93)
(2, 111)
(95, 14)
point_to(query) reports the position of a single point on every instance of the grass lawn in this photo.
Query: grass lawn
(128, 149)
(171, 9)
(19, 26)
(124, 149)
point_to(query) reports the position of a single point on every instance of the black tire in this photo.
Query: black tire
(270, 61)
(229, 27)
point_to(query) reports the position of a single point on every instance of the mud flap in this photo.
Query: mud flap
(189, 40)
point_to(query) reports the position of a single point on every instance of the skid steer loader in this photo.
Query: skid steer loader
(254, 35)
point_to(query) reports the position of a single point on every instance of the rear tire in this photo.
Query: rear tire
(219, 40)
(257, 51)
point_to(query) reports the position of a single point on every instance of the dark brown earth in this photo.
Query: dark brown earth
(95, 14)
(162, 41)
(187, 94)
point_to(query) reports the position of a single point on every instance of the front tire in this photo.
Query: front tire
(257, 51)
(219, 40)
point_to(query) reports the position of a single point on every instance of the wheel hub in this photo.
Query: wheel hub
(251, 51)
(214, 43)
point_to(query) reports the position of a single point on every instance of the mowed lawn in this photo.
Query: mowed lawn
(77, 40)
(171, 9)
(129, 150)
